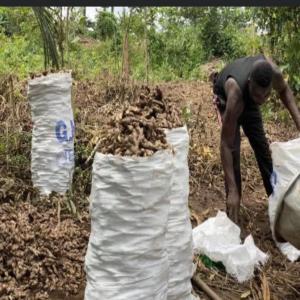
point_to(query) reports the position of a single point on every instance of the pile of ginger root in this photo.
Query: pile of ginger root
(139, 130)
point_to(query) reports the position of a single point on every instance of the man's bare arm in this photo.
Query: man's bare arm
(234, 108)
(285, 94)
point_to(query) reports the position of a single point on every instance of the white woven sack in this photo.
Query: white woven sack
(52, 150)
(179, 234)
(126, 256)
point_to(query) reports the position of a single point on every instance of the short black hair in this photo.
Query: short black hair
(262, 73)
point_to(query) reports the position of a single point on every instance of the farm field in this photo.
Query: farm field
(44, 240)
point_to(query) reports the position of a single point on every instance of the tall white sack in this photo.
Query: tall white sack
(286, 170)
(126, 256)
(179, 234)
(52, 149)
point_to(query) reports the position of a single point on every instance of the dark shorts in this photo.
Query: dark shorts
(252, 124)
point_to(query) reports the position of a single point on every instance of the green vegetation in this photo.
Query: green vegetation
(156, 43)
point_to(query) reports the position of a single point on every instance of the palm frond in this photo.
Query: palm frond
(47, 27)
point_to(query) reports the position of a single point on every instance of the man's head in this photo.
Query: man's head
(260, 81)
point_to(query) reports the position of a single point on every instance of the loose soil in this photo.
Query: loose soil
(43, 241)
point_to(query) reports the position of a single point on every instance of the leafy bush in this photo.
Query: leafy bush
(19, 55)
(106, 25)
(179, 40)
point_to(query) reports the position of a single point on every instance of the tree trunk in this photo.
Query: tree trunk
(125, 61)
(11, 98)
(125, 64)
(61, 38)
(146, 47)
(67, 35)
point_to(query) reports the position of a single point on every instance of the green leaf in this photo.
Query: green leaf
(211, 264)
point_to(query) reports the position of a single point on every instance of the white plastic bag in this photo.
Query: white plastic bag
(179, 234)
(126, 256)
(219, 239)
(52, 149)
(286, 169)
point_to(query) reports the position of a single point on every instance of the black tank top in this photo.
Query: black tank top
(240, 70)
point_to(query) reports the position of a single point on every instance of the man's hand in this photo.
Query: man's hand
(233, 206)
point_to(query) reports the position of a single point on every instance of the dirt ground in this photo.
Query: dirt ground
(278, 279)
(278, 276)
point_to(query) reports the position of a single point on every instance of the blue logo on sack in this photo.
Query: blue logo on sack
(61, 131)
(65, 157)
(69, 155)
(273, 179)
